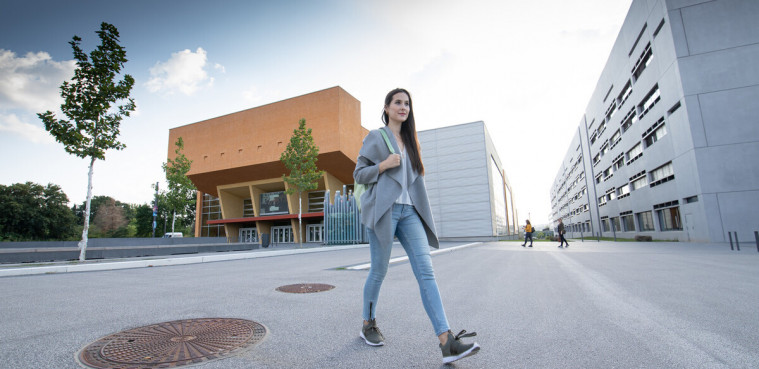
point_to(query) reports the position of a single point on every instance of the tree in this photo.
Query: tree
(300, 159)
(29, 211)
(143, 218)
(180, 196)
(110, 217)
(93, 123)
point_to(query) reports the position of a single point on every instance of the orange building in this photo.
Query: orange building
(238, 174)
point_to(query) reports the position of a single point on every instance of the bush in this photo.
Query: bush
(641, 238)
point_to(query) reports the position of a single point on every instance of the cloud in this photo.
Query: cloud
(36, 134)
(32, 82)
(184, 72)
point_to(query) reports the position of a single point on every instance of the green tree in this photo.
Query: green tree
(29, 211)
(300, 159)
(180, 195)
(93, 123)
(143, 220)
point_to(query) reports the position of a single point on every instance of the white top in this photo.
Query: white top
(404, 198)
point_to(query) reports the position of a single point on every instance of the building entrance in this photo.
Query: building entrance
(248, 235)
(282, 234)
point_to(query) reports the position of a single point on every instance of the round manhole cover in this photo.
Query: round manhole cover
(305, 288)
(173, 344)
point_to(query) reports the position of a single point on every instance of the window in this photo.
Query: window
(658, 28)
(625, 93)
(601, 128)
(629, 120)
(659, 132)
(211, 211)
(596, 159)
(619, 162)
(669, 219)
(645, 221)
(615, 139)
(611, 110)
(608, 92)
(598, 178)
(628, 223)
(634, 153)
(635, 44)
(611, 193)
(605, 224)
(605, 148)
(615, 224)
(649, 101)
(623, 191)
(639, 183)
(692, 199)
(602, 200)
(643, 61)
(247, 208)
(662, 174)
(607, 173)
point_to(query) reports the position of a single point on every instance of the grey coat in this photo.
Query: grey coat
(377, 201)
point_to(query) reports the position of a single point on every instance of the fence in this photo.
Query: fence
(342, 220)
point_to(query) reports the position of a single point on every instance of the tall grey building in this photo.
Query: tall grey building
(470, 195)
(668, 143)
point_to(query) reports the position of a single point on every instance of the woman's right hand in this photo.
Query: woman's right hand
(392, 161)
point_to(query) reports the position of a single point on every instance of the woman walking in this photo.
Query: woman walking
(528, 230)
(396, 205)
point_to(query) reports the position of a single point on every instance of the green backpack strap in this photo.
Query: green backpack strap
(387, 141)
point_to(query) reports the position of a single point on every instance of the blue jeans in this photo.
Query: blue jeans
(410, 231)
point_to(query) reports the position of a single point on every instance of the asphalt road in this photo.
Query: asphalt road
(594, 305)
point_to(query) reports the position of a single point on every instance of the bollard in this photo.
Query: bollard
(756, 236)
(737, 244)
(731, 240)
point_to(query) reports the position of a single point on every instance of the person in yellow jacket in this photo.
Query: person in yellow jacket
(528, 229)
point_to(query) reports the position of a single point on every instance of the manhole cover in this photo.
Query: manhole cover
(173, 344)
(305, 288)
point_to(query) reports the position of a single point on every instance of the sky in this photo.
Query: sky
(525, 68)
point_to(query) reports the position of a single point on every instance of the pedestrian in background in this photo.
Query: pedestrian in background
(396, 205)
(528, 229)
(561, 234)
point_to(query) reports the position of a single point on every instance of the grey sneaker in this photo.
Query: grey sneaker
(454, 349)
(371, 334)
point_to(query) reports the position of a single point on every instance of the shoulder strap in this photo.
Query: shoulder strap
(387, 141)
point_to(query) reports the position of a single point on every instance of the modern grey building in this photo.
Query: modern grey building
(469, 193)
(669, 141)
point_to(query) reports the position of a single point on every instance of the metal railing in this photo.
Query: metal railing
(342, 220)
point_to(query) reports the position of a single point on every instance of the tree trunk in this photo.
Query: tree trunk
(300, 225)
(86, 229)
(173, 219)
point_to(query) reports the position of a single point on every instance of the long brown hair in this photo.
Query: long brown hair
(408, 131)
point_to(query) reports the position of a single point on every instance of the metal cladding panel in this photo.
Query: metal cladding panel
(456, 165)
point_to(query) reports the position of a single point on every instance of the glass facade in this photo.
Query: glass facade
(211, 211)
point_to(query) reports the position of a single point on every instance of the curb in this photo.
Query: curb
(131, 264)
